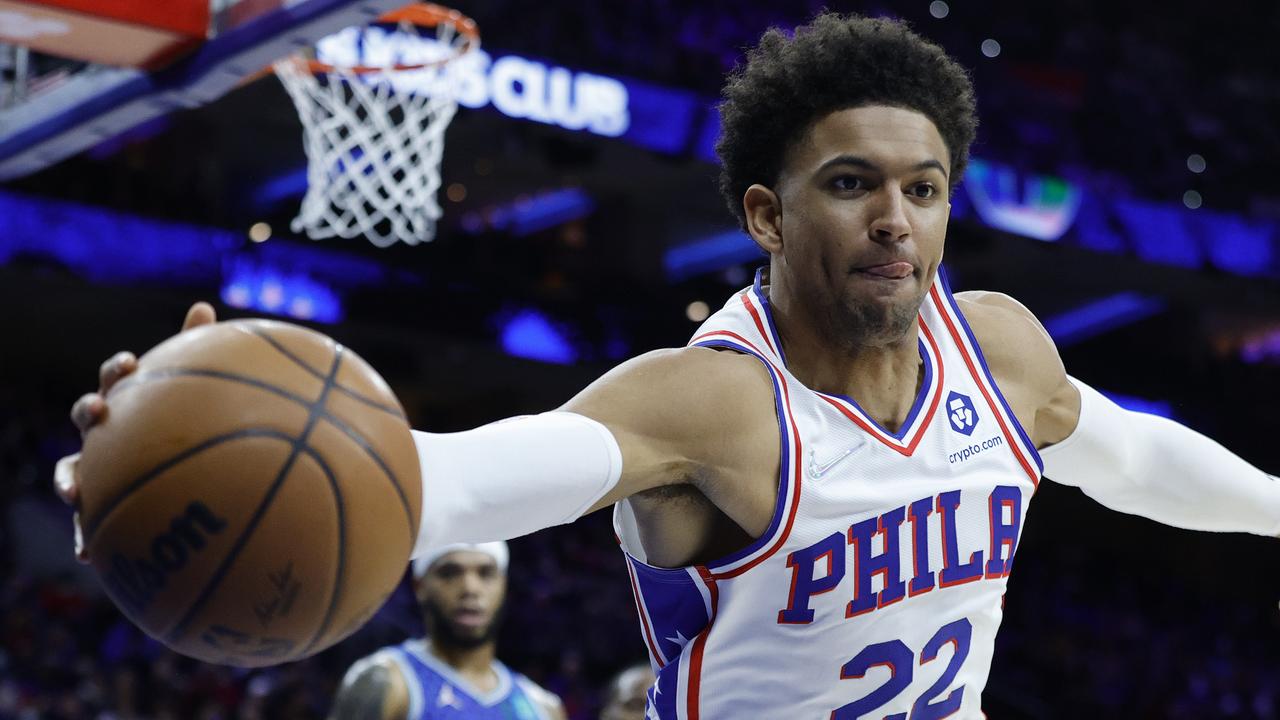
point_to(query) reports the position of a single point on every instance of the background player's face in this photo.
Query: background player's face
(461, 596)
(864, 209)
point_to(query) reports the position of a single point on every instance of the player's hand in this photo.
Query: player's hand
(91, 409)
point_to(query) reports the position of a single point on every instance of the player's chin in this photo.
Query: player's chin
(472, 632)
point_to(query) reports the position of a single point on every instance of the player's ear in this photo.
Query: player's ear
(763, 212)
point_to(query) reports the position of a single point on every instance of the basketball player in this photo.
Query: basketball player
(453, 673)
(821, 497)
(627, 694)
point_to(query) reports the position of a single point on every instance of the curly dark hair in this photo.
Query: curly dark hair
(834, 63)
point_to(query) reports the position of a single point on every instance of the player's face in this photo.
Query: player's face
(864, 209)
(461, 596)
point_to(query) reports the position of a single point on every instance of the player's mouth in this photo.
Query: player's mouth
(470, 618)
(888, 271)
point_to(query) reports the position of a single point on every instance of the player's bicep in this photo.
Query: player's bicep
(372, 688)
(670, 411)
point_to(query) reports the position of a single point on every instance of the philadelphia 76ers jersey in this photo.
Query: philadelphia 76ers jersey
(437, 692)
(877, 590)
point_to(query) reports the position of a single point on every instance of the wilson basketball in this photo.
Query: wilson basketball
(252, 496)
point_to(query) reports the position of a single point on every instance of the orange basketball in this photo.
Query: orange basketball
(252, 496)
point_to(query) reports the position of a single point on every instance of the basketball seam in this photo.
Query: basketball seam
(90, 526)
(373, 454)
(339, 505)
(320, 376)
(147, 375)
(299, 445)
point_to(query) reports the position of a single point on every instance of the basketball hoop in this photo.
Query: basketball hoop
(374, 105)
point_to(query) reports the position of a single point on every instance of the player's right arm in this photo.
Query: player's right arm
(372, 689)
(679, 417)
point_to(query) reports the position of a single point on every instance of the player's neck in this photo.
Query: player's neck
(883, 378)
(473, 663)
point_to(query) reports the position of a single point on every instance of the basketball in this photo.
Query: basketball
(253, 495)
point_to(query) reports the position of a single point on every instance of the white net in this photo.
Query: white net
(374, 140)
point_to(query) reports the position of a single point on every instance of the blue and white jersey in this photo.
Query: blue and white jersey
(438, 692)
(877, 590)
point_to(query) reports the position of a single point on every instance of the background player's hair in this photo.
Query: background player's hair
(834, 63)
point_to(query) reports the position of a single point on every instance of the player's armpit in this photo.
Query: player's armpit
(371, 689)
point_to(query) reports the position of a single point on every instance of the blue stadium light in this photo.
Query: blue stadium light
(710, 254)
(285, 186)
(533, 214)
(705, 145)
(1100, 316)
(254, 285)
(1042, 207)
(1159, 232)
(530, 334)
(1236, 244)
(111, 247)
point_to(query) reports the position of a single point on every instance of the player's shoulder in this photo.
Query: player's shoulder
(1016, 346)
(1004, 327)
(697, 366)
(685, 385)
(373, 687)
(548, 702)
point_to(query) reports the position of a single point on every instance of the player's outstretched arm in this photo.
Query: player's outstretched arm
(372, 689)
(1129, 461)
(667, 417)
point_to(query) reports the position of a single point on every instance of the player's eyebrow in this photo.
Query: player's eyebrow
(866, 164)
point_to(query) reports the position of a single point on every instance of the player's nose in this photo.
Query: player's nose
(889, 222)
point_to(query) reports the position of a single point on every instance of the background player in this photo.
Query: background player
(627, 692)
(840, 147)
(453, 672)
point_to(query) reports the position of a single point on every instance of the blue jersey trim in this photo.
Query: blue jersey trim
(784, 471)
(419, 656)
(758, 289)
(921, 396)
(675, 606)
(1017, 426)
(663, 695)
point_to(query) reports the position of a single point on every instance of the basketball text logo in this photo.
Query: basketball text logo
(134, 582)
(961, 413)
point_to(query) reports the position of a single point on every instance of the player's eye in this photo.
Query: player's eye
(847, 183)
(924, 190)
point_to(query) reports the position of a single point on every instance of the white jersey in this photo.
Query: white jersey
(877, 590)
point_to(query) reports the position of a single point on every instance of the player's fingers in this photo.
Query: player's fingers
(202, 313)
(88, 411)
(119, 365)
(64, 479)
(81, 553)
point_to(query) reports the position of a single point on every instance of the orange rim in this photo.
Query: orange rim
(424, 15)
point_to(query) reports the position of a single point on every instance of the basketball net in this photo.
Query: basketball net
(374, 106)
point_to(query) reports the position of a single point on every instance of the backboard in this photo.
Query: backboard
(57, 106)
